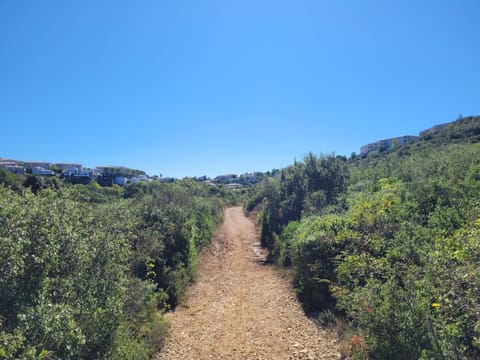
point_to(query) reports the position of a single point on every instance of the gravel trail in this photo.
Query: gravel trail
(240, 309)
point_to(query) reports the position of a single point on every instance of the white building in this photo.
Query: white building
(15, 169)
(120, 180)
(41, 171)
(387, 144)
(72, 167)
(12, 166)
(249, 178)
(37, 164)
(139, 178)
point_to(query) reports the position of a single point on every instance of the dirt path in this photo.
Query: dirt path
(240, 309)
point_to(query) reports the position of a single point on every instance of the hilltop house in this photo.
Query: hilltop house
(249, 178)
(15, 169)
(139, 178)
(12, 166)
(37, 164)
(387, 144)
(37, 170)
(71, 167)
(227, 178)
(120, 180)
(78, 176)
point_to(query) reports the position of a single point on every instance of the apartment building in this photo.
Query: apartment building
(387, 144)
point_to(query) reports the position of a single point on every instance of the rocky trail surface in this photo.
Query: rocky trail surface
(240, 308)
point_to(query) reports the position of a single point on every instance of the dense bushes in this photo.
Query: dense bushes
(394, 250)
(83, 272)
(304, 188)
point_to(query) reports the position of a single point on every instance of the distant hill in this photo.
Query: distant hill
(387, 241)
(464, 130)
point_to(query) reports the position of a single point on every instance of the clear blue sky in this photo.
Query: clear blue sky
(187, 88)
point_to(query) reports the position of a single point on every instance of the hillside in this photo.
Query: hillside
(463, 130)
(388, 242)
(384, 248)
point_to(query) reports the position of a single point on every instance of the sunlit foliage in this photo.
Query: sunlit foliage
(86, 272)
(395, 248)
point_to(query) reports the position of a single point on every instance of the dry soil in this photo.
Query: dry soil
(240, 308)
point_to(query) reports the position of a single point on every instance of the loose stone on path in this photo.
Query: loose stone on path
(240, 309)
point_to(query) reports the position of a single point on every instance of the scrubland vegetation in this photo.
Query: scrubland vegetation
(387, 245)
(384, 246)
(86, 272)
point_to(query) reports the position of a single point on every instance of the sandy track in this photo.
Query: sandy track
(240, 309)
